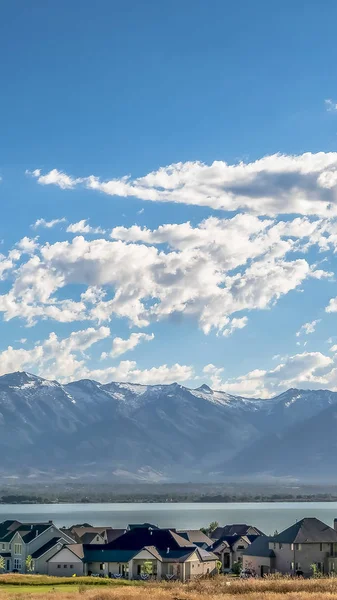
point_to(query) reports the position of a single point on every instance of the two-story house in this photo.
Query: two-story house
(38, 540)
(295, 550)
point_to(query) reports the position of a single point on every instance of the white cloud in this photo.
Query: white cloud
(27, 245)
(120, 346)
(84, 227)
(308, 328)
(332, 306)
(311, 370)
(128, 371)
(330, 105)
(279, 184)
(235, 324)
(54, 358)
(47, 224)
(213, 271)
(55, 177)
(65, 360)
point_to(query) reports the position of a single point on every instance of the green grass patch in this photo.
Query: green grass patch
(36, 581)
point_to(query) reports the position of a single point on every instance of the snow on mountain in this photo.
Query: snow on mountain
(155, 432)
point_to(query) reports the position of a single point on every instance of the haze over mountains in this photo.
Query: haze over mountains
(125, 432)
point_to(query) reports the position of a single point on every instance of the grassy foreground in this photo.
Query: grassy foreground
(18, 587)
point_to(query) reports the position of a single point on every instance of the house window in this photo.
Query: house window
(64, 566)
(3, 546)
(321, 547)
(17, 564)
(17, 548)
(274, 546)
(298, 566)
(280, 546)
(170, 569)
(298, 546)
(71, 566)
(240, 548)
(101, 566)
(58, 566)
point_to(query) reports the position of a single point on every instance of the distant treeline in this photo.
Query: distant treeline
(75, 496)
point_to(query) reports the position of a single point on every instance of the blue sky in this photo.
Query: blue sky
(92, 94)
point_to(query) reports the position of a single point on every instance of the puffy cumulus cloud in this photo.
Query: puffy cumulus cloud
(54, 357)
(65, 360)
(120, 346)
(311, 370)
(305, 184)
(128, 371)
(84, 227)
(47, 224)
(28, 245)
(308, 328)
(7, 263)
(213, 271)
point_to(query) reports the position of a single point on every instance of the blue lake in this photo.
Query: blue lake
(268, 516)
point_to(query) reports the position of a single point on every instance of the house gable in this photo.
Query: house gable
(65, 555)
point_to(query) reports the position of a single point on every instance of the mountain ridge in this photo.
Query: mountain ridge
(167, 432)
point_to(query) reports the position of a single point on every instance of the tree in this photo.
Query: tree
(2, 563)
(237, 568)
(316, 572)
(147, 567)
(219, 566)
(29, 564)
(210, 529)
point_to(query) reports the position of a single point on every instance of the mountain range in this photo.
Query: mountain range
(131, 432)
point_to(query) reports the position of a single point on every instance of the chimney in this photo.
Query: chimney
(168, 551)
(36, 533)
(335, 524)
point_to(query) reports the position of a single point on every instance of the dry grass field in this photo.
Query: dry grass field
(17, 587)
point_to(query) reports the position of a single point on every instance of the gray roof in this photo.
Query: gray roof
(235, 529)
(306, 531)
(53, 542)
(195, 536)
(260, 547)
(113, 534)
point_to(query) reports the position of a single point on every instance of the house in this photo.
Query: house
(295, 550)
(229, 549)
(235, 529)
(143, 552)
(195, 536)
(67, 561)
(83, 534)
(38, 540)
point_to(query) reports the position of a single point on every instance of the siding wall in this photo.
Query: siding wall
(309, 553)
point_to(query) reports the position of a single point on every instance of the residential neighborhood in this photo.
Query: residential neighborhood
(145, 551)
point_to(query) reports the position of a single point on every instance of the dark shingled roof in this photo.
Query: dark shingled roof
(113, 534)
(29, 531)
(138, 538)
(53, 542)
(260, 547)
(306, 531)
(235, 529)
(141, 526)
